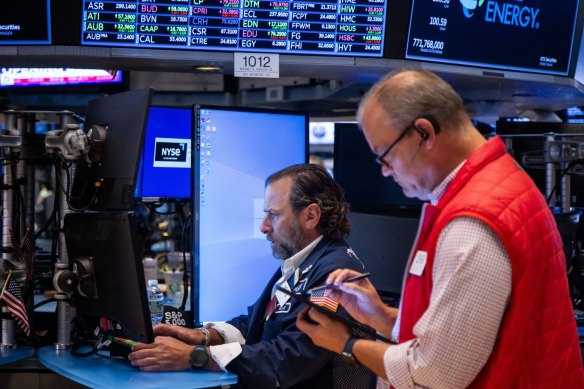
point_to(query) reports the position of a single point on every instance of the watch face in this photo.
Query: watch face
(199, 358)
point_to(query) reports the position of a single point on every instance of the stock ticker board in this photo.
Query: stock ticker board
(330, 27)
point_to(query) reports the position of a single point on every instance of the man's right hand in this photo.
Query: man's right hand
(187, 335)
(362, 301)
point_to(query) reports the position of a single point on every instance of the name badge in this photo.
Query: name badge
(419, 263)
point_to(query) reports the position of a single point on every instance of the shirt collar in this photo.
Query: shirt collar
(439, 191)
(291, 264)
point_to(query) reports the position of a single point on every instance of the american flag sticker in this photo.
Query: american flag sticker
(322, 298)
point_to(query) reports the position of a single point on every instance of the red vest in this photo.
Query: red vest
(537, 345)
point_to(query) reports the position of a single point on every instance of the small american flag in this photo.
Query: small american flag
(23, 251)
(321, 297)
(12, 297)
(27, 249)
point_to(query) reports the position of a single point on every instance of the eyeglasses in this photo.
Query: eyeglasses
(380, 159)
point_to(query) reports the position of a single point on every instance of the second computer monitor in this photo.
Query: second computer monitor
(165, 171)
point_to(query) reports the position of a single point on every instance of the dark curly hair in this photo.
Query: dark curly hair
(311, 183)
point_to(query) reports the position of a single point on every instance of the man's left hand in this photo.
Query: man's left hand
(165, 354)
(322, 330)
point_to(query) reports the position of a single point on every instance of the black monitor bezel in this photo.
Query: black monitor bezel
(117, 265)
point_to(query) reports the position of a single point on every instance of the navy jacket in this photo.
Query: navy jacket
(275, 350)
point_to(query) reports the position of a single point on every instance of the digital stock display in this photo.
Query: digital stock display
(523, 35)
(332, 27)
(25, 23)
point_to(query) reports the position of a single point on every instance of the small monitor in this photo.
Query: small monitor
(527, 35)
(356, 171)
(103, 250)
(237, 149)
(26, 23)
(383, 243)
(165, 171)
(115, 124)
(33, 77)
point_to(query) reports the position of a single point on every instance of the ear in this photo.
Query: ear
(312, 216)
(427, 130)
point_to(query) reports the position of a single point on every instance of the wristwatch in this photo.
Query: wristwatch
(199, 358)
(348, 350)
(207, 335)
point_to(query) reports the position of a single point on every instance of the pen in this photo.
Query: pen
(350, 279)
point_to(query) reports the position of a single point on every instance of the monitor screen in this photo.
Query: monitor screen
(102, 249)
(335, 27)
(165, 171)
(359, 175)
(383, 243)
(26, 23)
(523, 35)
(17, 77)
(237, 150)
(115, 124)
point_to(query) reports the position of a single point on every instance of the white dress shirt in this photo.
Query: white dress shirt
(223, 354)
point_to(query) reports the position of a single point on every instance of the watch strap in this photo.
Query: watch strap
(348, 349)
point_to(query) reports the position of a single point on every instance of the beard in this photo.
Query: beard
(286, 246)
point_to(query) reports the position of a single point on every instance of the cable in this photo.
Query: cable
(185, 272)
(564, 172)
(66, 191)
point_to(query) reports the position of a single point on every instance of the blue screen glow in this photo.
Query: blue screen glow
(165, 172)
(238, 151)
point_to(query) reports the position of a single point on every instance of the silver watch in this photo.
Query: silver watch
(207, 335)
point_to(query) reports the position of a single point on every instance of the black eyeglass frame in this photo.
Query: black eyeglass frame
(380, 159)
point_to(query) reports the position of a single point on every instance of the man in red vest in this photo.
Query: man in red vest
(485, 301)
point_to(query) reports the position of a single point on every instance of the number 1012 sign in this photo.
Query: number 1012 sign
(256, 65)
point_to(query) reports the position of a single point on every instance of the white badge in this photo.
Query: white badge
(281, 296)
(419, 263)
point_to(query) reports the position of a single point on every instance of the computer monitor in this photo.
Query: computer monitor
(237, 149)
(356, 171)
(165, 170)
(115, 124)
(26, 23)
(102, 249)
(39, 77)
(527, 35)
(383, 243)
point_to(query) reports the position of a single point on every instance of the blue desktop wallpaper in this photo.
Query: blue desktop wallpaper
(238, 151)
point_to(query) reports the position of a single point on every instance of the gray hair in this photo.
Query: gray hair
(406, 95)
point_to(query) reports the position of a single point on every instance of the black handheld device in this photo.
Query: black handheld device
(336, 316)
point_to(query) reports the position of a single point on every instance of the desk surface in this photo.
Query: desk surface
(12, 355)
(99, 372)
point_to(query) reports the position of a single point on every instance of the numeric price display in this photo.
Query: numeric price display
(332, 27)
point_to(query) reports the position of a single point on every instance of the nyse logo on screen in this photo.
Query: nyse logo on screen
(172, 152)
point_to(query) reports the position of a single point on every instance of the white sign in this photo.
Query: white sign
(256, 65)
